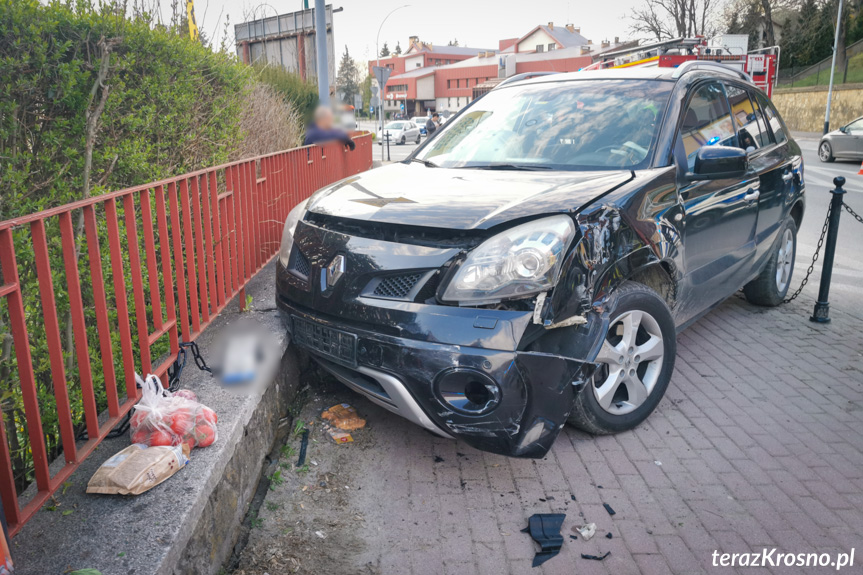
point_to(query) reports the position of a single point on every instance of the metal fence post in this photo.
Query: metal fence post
(821, 314)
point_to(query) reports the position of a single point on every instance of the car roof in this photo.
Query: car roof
(691, 69)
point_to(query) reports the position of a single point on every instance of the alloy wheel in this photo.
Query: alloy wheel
(824, 152)
(630, 362)
(784, 261)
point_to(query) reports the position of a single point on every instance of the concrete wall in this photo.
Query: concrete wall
(803, 108)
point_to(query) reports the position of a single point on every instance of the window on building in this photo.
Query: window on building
(540, 47)
(449, 84)
(458, 83)
(552, 46)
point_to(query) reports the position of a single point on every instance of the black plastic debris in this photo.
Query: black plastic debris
(304, 444)
(438, 459)
(544, 528)
(595, 557)
(572, 496)
(574, 537)
(609, 509)
(609, 535)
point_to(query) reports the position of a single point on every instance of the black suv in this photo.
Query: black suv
(530, 264)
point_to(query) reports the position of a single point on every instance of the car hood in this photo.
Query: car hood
(461, 199)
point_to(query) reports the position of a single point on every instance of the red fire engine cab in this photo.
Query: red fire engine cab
(729, 49)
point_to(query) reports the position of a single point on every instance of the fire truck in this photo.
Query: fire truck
(728, 49)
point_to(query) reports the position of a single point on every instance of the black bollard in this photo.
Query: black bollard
(821, 314)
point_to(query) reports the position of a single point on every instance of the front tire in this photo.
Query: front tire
(402, 141)
(419, 139)
(635, 364)
(771, 285)
(825, 152)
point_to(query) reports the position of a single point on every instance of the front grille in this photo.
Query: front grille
(334, 344)
(300, 264)
(397, 287)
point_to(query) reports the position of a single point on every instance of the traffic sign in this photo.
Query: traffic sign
(403, 106)
(382, 73)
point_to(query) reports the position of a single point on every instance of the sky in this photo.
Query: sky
(474, 23)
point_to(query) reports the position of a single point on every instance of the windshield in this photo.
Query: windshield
(578, 125)
(394, 126)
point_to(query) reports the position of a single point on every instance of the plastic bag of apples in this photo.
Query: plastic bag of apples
(165, 418)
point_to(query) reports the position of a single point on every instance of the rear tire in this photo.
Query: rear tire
(419, 138)
(635, 364)
(771, 285)
(825, 152)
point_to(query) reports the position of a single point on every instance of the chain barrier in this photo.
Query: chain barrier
(814, 258)
(852, 212)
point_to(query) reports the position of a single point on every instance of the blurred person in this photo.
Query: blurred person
(322, 129)
(432, 123)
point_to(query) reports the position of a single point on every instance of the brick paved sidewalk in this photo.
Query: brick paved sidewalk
(760, 440)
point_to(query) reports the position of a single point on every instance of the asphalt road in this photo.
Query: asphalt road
(397, 152)
(846, 291)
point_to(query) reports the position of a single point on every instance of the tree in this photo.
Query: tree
(665, 19)
(348, 78)
(398, 49)
(385, 50)
(453, 42)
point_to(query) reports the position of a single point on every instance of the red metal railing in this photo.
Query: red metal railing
(214, 229)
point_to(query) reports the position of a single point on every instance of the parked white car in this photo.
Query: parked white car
(420, 121)
(400, 132)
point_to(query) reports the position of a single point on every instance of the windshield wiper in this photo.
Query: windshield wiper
(514, 167)
(425, 163)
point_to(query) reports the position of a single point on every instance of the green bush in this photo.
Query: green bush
(303, 95)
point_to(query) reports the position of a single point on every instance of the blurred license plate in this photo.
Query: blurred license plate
(335, 344)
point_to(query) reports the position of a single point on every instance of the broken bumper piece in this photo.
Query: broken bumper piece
(512, 403)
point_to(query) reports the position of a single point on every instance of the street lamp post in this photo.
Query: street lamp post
(833, 68)
(378, 51)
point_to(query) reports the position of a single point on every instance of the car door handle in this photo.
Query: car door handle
(787, 176)
(752, 195)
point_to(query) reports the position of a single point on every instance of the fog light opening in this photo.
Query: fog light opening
(467, 391)
(477, 393)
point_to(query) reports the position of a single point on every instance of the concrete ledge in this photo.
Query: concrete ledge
(189, 523)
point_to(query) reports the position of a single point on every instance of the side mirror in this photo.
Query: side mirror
(719, 162)
(844, 129)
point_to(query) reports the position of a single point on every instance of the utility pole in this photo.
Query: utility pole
(321, 52)
(378, 49)
(833, 68)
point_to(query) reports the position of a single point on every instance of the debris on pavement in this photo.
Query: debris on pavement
(438, 459)
(609, 535)
(321, 534)
(587, 531)
(338, 435)
(544, 528)
(658, 463)
(595, 557)
(304, 445)
(609, 509)
(344, 417)
(138, 468)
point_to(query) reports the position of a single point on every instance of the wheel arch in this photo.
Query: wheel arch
(642, 266)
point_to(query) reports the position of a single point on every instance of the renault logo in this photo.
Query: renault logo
(335, 270)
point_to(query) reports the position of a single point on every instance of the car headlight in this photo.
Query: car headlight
(519, 262)
(288, 232)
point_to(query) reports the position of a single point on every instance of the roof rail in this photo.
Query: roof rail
(695, 65)
(523, 76)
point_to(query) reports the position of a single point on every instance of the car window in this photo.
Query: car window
(394, 126)
(776, 124)
(764, 136)
(706, 122)
(566, 125)
(750, 128)
(855, 127)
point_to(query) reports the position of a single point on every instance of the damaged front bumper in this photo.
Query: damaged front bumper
(456, 371)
